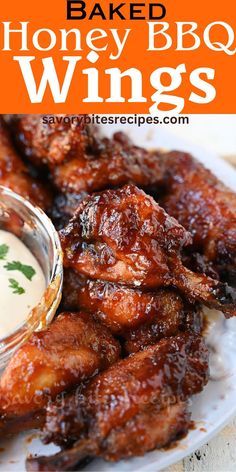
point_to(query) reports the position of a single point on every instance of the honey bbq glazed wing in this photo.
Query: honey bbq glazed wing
(15, 175)
(80, 160)
(72, 349)
(204, 206)
(135, 406)
(192, 194)
(140, 317)
(51, 143)
(124, 236)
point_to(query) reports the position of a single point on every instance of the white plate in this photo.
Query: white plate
(214, 407)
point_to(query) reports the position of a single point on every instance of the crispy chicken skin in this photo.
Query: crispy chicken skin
(15, 175)
(51, 143)
(204, 206)
(72, 349)
(131, 399)
(124, 236)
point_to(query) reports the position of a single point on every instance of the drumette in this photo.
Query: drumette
(139, 317)
(71, 350)
(124, 236)
(135, 406)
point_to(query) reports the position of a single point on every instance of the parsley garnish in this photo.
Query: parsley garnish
(3, 251)
(16, 287)
(26, 270)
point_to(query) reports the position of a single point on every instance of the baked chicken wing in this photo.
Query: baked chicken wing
(72, 349)
(135, 406)
(205, 207)
(80, 161)
(51, 143)
(116, 163)
(15, 175)
(124, 236)
(192, 194)
(140, 318)
(122, 308)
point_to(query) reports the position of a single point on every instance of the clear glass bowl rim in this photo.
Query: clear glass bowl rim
(10, 342)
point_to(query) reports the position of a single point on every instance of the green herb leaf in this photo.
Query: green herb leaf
(27, 270)
(16, 287)
(3, 251)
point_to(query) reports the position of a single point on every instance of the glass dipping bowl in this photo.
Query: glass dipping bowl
(36, 231)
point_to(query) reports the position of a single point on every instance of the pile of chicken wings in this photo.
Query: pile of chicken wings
(148, 237)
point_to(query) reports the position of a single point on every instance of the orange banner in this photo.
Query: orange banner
(73, 56)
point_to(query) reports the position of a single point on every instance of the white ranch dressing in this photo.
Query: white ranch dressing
(22, 283)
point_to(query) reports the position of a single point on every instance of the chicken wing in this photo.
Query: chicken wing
(51, 143)
(79, 160)
(122, 308)
(124, 236)
(71, 350)
(126, 407)
(204, 206)
(192, 194)
(115, 165)
(15, 175)
(171, 324)
(140, 318)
